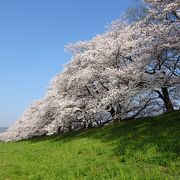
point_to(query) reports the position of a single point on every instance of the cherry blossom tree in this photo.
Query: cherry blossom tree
(131, 70)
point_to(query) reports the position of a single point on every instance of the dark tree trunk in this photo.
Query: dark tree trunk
(90, 125)
(70, 127)
(113, 114)
(84, 125)
(166, 99)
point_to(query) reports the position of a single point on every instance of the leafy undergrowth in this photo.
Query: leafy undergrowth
(141, 149)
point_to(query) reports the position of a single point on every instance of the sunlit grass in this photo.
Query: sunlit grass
(140, 149)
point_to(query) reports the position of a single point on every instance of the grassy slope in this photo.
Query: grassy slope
(140, 149)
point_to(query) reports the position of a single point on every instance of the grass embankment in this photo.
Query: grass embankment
(139, 149)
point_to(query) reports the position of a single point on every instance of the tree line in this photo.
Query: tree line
(132, 70)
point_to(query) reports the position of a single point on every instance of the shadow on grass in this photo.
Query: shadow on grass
(161, 132)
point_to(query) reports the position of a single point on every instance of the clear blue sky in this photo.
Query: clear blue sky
(33, 34)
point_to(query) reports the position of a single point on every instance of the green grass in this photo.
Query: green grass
(141, 149)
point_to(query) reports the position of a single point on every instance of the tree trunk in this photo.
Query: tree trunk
(84, 125)
(112, 112)
(70, 127)
(90, 125)
(166, 99)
